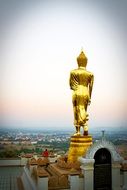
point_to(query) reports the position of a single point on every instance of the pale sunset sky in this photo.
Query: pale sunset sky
(39, 43)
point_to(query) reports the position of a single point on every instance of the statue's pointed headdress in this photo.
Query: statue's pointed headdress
(82, 59)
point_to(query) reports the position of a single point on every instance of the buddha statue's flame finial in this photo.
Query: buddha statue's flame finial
(81, 49)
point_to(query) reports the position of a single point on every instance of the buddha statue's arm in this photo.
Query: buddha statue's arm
(91, 85)
(73, 81)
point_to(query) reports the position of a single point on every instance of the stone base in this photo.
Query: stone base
(78, 147)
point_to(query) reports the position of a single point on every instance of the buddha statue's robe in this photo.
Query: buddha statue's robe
(81, 82)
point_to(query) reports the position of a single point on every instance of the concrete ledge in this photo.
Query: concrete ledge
(10, 162)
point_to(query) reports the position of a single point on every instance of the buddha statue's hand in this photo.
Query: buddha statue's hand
(89, 102)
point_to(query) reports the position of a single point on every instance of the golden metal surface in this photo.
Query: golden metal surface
(78, 147)
(81, 82)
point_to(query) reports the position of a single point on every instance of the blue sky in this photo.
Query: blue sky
(40, 41)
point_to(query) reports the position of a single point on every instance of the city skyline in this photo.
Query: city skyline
(40, 43)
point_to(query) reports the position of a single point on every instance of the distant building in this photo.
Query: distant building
(33, 142)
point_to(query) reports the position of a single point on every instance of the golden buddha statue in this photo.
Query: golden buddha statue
(81, 82)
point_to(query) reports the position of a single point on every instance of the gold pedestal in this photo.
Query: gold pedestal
(78, 147)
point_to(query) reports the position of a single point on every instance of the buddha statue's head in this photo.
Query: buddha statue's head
(82, 60)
